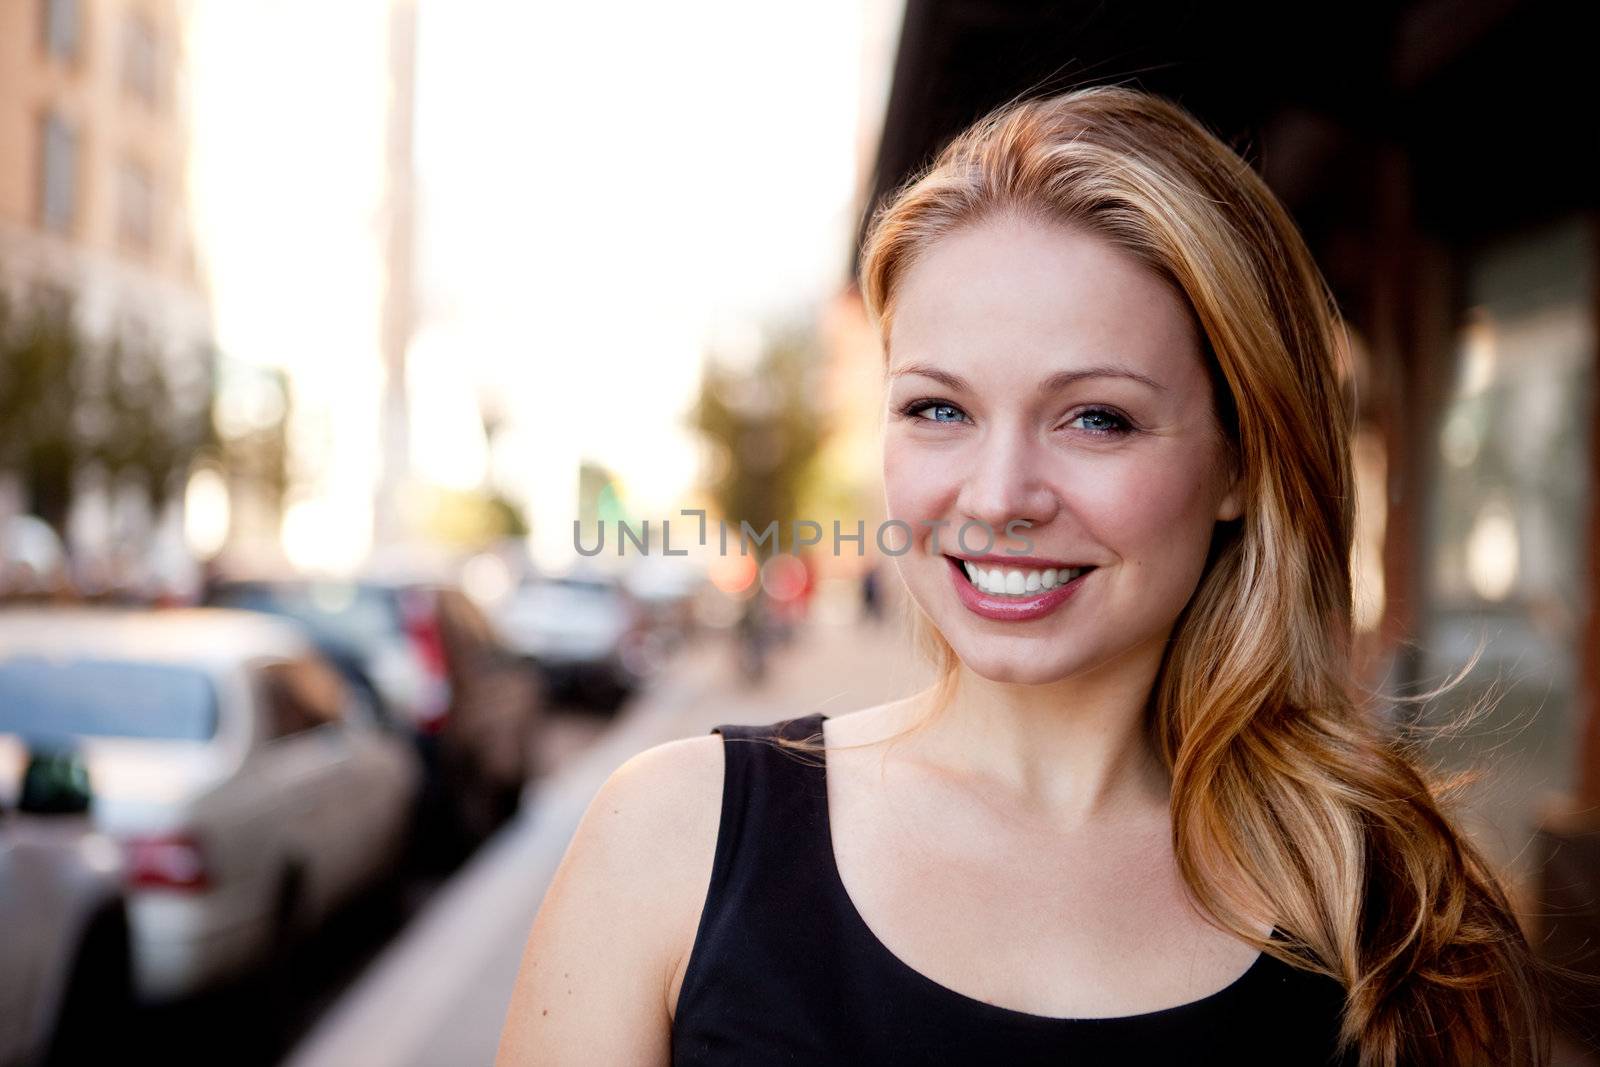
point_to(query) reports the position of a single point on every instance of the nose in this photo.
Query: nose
(1006, 481)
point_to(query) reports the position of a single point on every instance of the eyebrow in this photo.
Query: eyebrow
(1058, 380)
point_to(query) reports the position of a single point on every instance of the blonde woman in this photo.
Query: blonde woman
(1143, 818)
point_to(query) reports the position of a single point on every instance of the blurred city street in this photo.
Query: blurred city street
(438, 994)
(412, 409)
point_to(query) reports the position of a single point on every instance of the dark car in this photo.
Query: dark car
(436, 668)
(586, 633)
(66, 989)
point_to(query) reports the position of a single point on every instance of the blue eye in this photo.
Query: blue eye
(914, 409)
(1118, 425)
(1111, 424)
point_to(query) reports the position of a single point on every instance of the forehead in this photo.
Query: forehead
(1010, 298)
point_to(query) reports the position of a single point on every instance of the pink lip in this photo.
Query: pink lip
(1011, 608)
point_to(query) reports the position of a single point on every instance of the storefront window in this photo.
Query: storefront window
(1507, 537)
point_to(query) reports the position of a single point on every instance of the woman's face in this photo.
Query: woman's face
(1037, 373)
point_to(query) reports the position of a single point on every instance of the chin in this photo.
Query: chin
(1010, 674)
(1013, 662)
(1038, 658)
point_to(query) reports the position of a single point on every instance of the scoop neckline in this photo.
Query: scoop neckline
(996, 1011)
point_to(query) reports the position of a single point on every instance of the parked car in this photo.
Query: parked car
(378, 641)
(587, 635)
(438, 668)
(65, 971)
(665, 589)
(250, 789)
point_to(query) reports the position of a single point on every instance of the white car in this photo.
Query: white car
(251, 790)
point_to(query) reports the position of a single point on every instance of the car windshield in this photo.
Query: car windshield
(65, 698)
(346, 615)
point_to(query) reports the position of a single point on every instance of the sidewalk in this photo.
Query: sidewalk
(437, 997)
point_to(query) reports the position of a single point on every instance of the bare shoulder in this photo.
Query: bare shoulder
(688, 770)
(655, 821)
(606, 945)
(689, 777)
(665, 803)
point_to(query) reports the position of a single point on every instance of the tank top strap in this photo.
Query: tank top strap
(760, 917)
(774, 799)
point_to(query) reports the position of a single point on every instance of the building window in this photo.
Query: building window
(136, 206)
(1512, 446)
(58, 174)
(61, 25)
(140, 59)
(1506, 532)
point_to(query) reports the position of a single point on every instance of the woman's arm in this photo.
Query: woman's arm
(620, 915)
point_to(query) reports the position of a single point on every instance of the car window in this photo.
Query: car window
(300, 694)
(80, 696)
(556, 596)
(341, 614)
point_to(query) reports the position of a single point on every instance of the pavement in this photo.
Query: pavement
(437, 996)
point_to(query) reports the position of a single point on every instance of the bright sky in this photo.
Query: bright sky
(606, 184)
(602, 187)
(285, 167)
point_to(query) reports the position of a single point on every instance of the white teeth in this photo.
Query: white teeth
(998, 581)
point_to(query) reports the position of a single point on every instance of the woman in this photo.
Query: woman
(1142, 817)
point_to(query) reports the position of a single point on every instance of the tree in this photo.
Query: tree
(67, 404)
(149, 431)
(765, 422)
(42, 366)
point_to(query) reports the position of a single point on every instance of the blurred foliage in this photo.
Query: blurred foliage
(766, 424)
(41, 373)
(148, 429)
(68, 405)
(467, 518)
(254, 451)
(599, 500)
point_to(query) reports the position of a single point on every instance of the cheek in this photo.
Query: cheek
(1146, 513)
(915, 484)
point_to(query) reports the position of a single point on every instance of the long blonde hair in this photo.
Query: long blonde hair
(1291, 799)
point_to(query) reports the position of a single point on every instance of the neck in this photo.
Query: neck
(1064, 754)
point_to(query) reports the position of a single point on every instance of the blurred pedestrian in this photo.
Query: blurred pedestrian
(753, 637)
(871, 594)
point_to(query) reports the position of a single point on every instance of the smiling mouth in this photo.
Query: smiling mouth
(1019, 582)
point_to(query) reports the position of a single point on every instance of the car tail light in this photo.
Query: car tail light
(427, 640)
(169, 861)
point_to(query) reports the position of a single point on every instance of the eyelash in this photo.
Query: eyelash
(1125, 427)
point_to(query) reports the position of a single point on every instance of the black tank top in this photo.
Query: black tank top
(784, 970)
